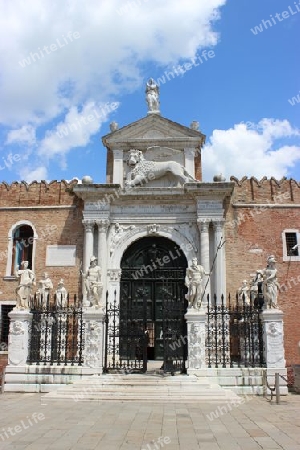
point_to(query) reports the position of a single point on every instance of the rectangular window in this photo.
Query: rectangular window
(4, 325)
(290, 243)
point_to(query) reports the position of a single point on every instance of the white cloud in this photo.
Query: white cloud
(102, 62)
(76, 129)
(29, 174)
(25, 134)
(252, 150)
(50, 75)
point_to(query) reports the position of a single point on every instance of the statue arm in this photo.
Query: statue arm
(187, 278)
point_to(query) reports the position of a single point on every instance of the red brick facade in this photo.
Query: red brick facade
(254, 232)
(56, 214)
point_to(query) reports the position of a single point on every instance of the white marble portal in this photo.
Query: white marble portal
(167, 203)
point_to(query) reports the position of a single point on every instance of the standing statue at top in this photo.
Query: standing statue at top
(93, 283)
(26, 280)
(193, 280)
(152, 96)
(270, 284)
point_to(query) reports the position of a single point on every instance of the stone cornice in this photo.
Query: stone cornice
(265, 205)
(144, 143)
(209, 190)
(95, 191)
(44, 207)
(112, 192)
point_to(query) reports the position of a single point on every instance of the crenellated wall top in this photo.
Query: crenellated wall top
(252, 190)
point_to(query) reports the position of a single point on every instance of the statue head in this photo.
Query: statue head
(271, 259)
(134, 157)
(93, 260)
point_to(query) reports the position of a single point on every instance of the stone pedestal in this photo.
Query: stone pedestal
(94, 338)
(196, 320)
(272, 320)
(19, 337)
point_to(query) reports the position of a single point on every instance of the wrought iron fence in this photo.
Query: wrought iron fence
(234, 334)
(56, 331)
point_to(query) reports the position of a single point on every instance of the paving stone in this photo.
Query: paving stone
(127, 426)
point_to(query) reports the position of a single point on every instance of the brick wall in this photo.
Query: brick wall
(252, 234)
(57, 226)
(198, 166)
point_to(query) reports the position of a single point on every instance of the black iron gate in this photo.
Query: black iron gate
(148, 322)
(138, 329)
(234, 333)
(57, 333)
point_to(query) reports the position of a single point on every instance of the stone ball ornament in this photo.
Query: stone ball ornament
(87, 180)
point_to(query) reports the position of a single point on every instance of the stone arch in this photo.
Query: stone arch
(129, 237)
(10, 236)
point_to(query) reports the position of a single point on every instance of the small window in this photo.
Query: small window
(22, 247)
(291, 245)
(4, 325)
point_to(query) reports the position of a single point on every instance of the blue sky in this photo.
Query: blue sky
(63, 62)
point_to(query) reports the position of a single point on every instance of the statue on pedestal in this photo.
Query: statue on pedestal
(43, 292)
(270, 284)
(193, 280)
(152, 96)
(61, 295)
(93, 283)
(26, 282)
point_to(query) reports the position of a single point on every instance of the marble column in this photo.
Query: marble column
(88, 243)
(203, 225)
(87, 253)
(19, 337)
(102, 252)
(189, 160)
(118, 167)
(220, 268)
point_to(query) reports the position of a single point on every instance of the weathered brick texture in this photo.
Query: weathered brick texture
(252, 234)
(57, 226)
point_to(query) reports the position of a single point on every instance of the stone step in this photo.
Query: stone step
(142, 388)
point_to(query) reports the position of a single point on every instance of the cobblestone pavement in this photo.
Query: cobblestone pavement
(61, 425)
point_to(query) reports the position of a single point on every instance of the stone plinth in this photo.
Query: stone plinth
(196, 320)
(19, 337)
(93, 319)
(272, 320)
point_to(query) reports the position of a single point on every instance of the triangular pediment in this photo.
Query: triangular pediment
(152, 128)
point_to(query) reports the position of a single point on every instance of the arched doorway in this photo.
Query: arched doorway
(152, 304)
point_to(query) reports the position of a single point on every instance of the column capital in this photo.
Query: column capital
(203, 225)
(102, 225)
(190, 151)
(88, 225)
(118, 153)
(218, 224)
